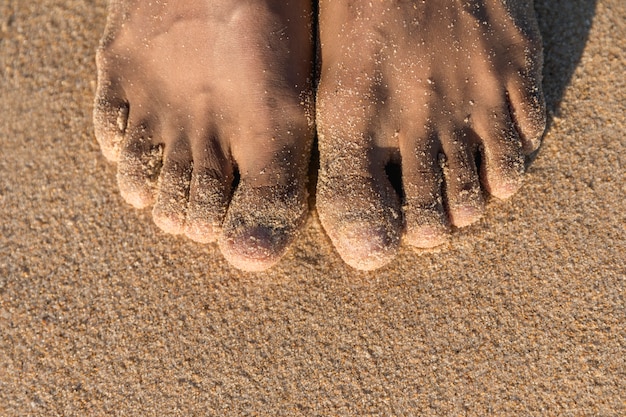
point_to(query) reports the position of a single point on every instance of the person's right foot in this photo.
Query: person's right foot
(431, 85)
(193, 91)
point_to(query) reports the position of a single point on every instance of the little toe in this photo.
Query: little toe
(110, 117)
(173, 188)
(528, 110)
(464, 197)
(209, 193)
(502, 167)
(422, 179)
(138, 167)
(362, 218)
(261, 223)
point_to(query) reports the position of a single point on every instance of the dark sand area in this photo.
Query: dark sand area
(523, 314)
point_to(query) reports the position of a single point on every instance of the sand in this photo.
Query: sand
(102, 314)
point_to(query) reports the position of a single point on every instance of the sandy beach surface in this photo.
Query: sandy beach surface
(101, 314)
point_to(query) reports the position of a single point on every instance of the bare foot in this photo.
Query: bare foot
(194, 94)
(436, 86)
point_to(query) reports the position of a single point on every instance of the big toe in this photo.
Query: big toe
(362, 218)
(261, 223)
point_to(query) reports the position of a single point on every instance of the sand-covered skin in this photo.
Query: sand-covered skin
(449, 92)
(103, 314)
(205, 107)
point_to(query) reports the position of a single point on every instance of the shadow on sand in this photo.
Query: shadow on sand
(565, 26)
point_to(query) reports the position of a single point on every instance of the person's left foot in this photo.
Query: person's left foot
(193, 91)
(434, 86)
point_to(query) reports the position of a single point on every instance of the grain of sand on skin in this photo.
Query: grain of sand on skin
(433, 90)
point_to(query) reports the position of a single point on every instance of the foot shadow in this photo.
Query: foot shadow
(564, 26)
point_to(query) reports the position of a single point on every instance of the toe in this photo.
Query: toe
(528, 110)
(261, 223)
(464, 197)
(173, 188)
(361, 216)
(357, 205)
(138, 167)
(268, 207)
(422, 178)
(363, 244)
(110, 117)
(208, 194)
(502, 167)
